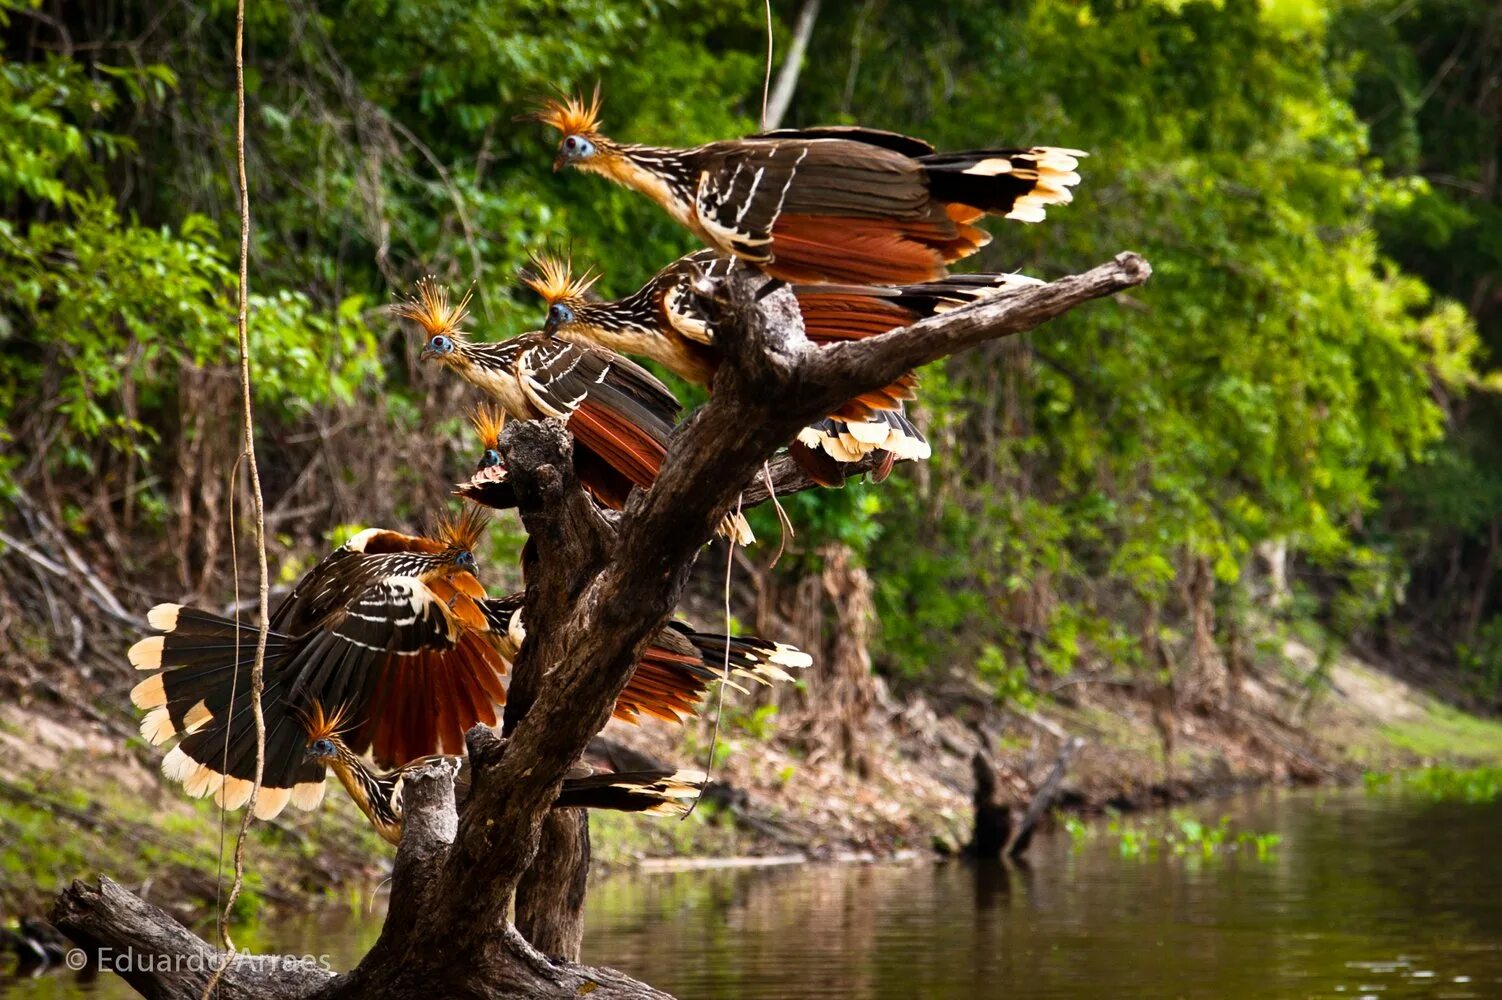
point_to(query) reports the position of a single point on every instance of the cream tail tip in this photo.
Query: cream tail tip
(271, 801)
(308, 795)
(163, 617)
(736, 528)
(791, 657)
(150, 693)
(178, 766)
(157, 727)
(147, 654)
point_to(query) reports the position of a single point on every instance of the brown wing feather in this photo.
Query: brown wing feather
(426, 703)
(623, 445)
(836, 248)
(668, 683)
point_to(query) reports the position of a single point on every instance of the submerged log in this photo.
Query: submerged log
(994, 836)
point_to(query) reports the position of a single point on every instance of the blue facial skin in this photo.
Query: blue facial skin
(319, 750)
(558, 315)
(465, 561)
(572, 149)
(490, 459)
(437, 347)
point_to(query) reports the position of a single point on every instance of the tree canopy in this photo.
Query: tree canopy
(1315, 184)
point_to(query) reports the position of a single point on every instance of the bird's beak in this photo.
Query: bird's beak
(427, 354)
(559, 162)
(550, 326)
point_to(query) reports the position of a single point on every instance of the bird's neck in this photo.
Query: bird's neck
(372, 793)
(491, 368)
(657, 172)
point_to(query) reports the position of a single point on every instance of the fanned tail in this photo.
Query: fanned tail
(676, 670)
(1016, 183)
(850, 441)
(661, 792)
(203, 657)
(757, 659)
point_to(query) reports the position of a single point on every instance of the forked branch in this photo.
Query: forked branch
(595, 595)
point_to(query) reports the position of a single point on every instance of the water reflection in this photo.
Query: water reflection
(1383, 897)
(1387, 897)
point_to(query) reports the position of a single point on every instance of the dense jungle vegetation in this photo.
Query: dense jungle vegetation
(1295, 425)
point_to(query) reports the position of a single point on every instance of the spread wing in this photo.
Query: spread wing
(410, 661)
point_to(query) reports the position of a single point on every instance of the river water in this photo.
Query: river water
(1386, 895)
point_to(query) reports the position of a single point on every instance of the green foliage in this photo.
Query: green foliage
(1289, 376)
(1442, 784)
(1176, 835)
(1272, 377)
(1481, 660)
(103, 313)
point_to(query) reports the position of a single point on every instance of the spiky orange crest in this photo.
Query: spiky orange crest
(489, 421)
(461, 532)
(428, 306)
(321, 725)
(553, 279)
(570, 115)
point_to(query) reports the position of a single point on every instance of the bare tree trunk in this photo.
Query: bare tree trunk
(993, 817)
(846, 688)
(597, 590)
(792, 65)
(550, 896)
(1206, 671)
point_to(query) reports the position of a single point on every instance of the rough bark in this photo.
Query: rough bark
(550, 896)
(161, 958)
(596, 592)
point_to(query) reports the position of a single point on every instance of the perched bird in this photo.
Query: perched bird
(490, 484)
(388, 624)
(666, 320)
(379, 795)
(677, 666)
(620, 416)
(830, 204)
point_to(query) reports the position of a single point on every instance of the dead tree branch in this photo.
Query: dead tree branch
(1043, 799)
(594, 598)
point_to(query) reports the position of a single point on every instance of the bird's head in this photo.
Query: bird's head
(321, 749)
(565, 295)
(582, 144)
(488, 422)
(441, 321)
(324, 743)
(490, 485)
(460, 535)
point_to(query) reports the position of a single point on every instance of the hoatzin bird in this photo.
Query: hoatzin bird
(388, 624)
(665, 320)
(379, 795)
(620, 416)
(829, 204)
